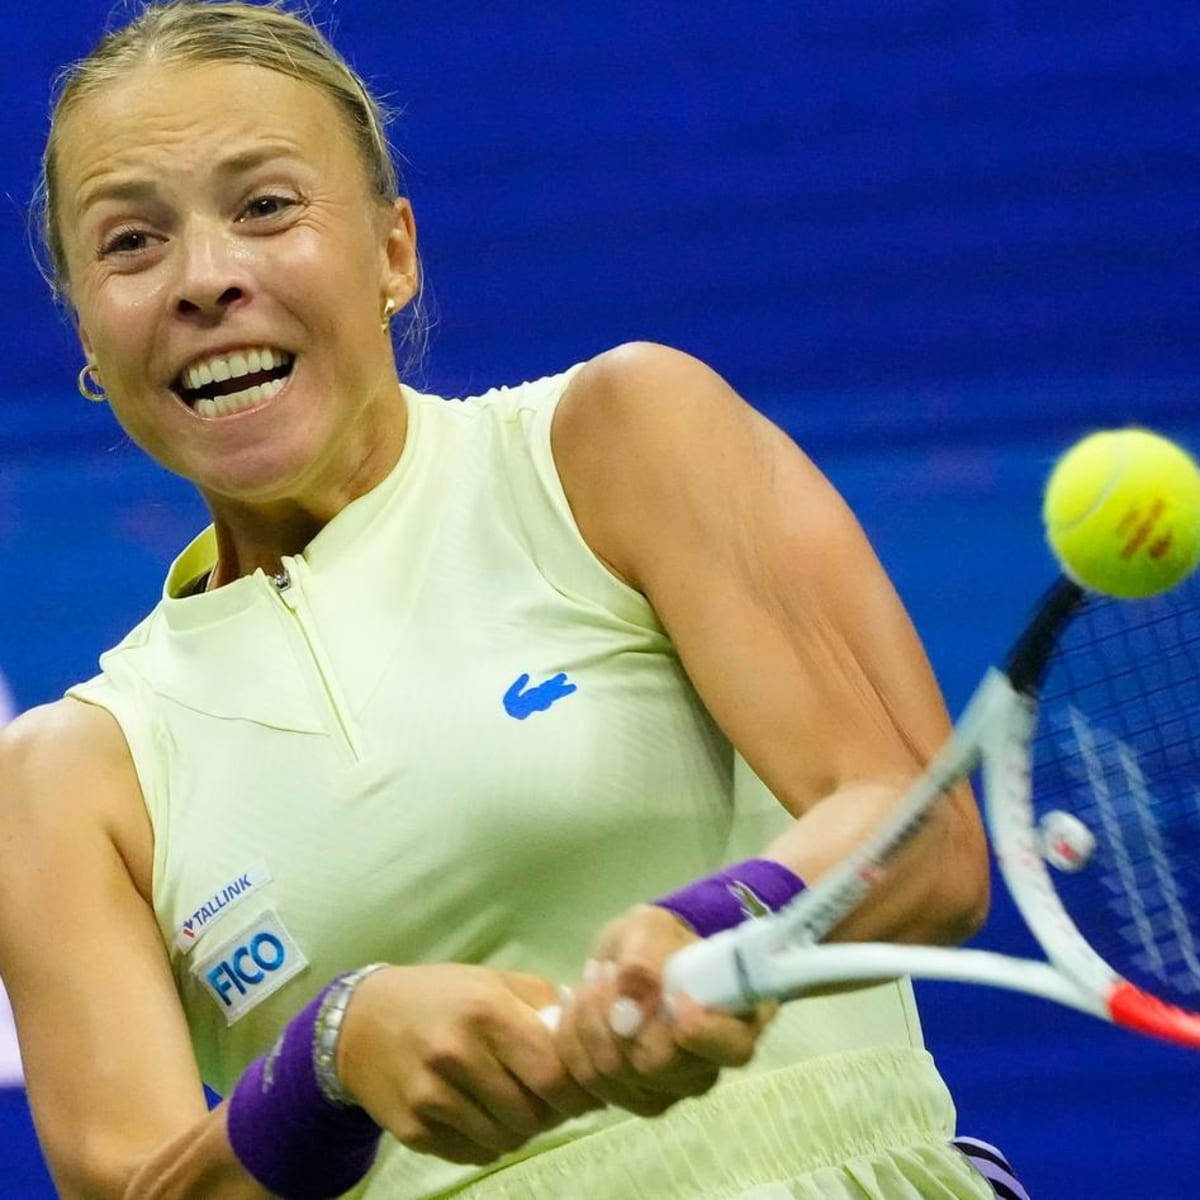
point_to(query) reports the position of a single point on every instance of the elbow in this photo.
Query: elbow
(94, 1166)
(963, 876)
(967, 909)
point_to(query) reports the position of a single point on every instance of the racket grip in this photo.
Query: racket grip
(711, 973)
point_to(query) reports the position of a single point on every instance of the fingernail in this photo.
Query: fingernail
(565, 996)
(591, 972)
(625, 1017)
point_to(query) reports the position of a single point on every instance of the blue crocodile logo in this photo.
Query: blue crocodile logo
(519, 702)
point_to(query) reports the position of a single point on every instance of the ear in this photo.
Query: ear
(401, 267)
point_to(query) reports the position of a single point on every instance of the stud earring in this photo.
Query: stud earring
(96, 396)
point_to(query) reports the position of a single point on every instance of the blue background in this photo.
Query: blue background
(934, 240)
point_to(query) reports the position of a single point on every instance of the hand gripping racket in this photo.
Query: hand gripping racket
(1088, 742)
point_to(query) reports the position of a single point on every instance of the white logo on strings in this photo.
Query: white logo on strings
(1163, 890)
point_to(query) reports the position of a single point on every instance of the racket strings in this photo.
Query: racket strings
(1118, 748)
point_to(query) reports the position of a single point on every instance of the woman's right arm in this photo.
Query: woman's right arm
(111, 1078)
(452, 1059)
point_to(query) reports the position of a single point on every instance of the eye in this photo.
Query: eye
(267, 205)
(126, 241)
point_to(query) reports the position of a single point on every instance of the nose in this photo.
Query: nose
(212, 279)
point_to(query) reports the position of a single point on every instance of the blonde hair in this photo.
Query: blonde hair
(201, 31)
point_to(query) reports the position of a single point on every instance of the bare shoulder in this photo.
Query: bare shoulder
(57, 732)
(644, 384)
(638, 360)
(66, 775)
(638, 427)
(109, 1070)
(59, 744)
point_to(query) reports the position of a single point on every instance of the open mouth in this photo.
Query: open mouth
(231, 383)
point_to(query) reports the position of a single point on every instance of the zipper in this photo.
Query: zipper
(284, 584)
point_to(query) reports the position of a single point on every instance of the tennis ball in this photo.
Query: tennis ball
(1122, 513)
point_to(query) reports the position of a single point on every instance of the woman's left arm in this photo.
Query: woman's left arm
(786, 624)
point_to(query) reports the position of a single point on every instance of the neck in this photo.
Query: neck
(252, 535)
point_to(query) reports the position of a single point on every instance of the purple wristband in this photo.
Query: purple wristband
(747, 889)
(294, 1141)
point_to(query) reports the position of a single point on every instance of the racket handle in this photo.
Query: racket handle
(712, 973)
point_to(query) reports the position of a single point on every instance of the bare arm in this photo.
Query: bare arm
(451, 1059)
(800, 649)
(112, 1081)
(782, 616)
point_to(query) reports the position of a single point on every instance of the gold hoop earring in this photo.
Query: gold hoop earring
(99, 395)
(389, 311)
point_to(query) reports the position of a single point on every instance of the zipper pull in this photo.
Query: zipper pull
(282, 583)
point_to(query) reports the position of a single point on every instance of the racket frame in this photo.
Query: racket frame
(777, 957)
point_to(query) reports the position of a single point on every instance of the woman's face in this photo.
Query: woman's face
(213, 213)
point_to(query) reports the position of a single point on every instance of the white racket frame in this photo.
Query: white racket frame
(778, 957)
(782, 956)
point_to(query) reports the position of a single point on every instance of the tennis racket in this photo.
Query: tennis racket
(1088, 742)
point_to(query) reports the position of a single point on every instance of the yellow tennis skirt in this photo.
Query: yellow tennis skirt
(867, 1125)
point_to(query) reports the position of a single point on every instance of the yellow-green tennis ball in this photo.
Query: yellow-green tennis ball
(1122, 513)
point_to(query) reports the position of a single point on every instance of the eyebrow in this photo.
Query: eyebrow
(147, 189)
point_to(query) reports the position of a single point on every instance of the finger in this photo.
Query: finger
(572, 1052)
(594, 1057)
(576, 1057)
(531, 989)
(718, 1038)
(440, 1140)
(437, 1107)
(646, 940)
(495, 1094)
(657, 1063)
(590, 1013)
(678, 1008)
(533, 1058)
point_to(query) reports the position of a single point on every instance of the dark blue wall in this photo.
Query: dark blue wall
(936, 241)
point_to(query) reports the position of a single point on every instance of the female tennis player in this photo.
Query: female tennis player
(444, 690)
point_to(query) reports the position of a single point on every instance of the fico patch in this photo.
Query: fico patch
(255, 963)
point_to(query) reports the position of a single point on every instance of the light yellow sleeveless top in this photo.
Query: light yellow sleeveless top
(449, 734)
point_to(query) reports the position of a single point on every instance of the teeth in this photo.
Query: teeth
(226, 406)
(232, 366)
(199, 376)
